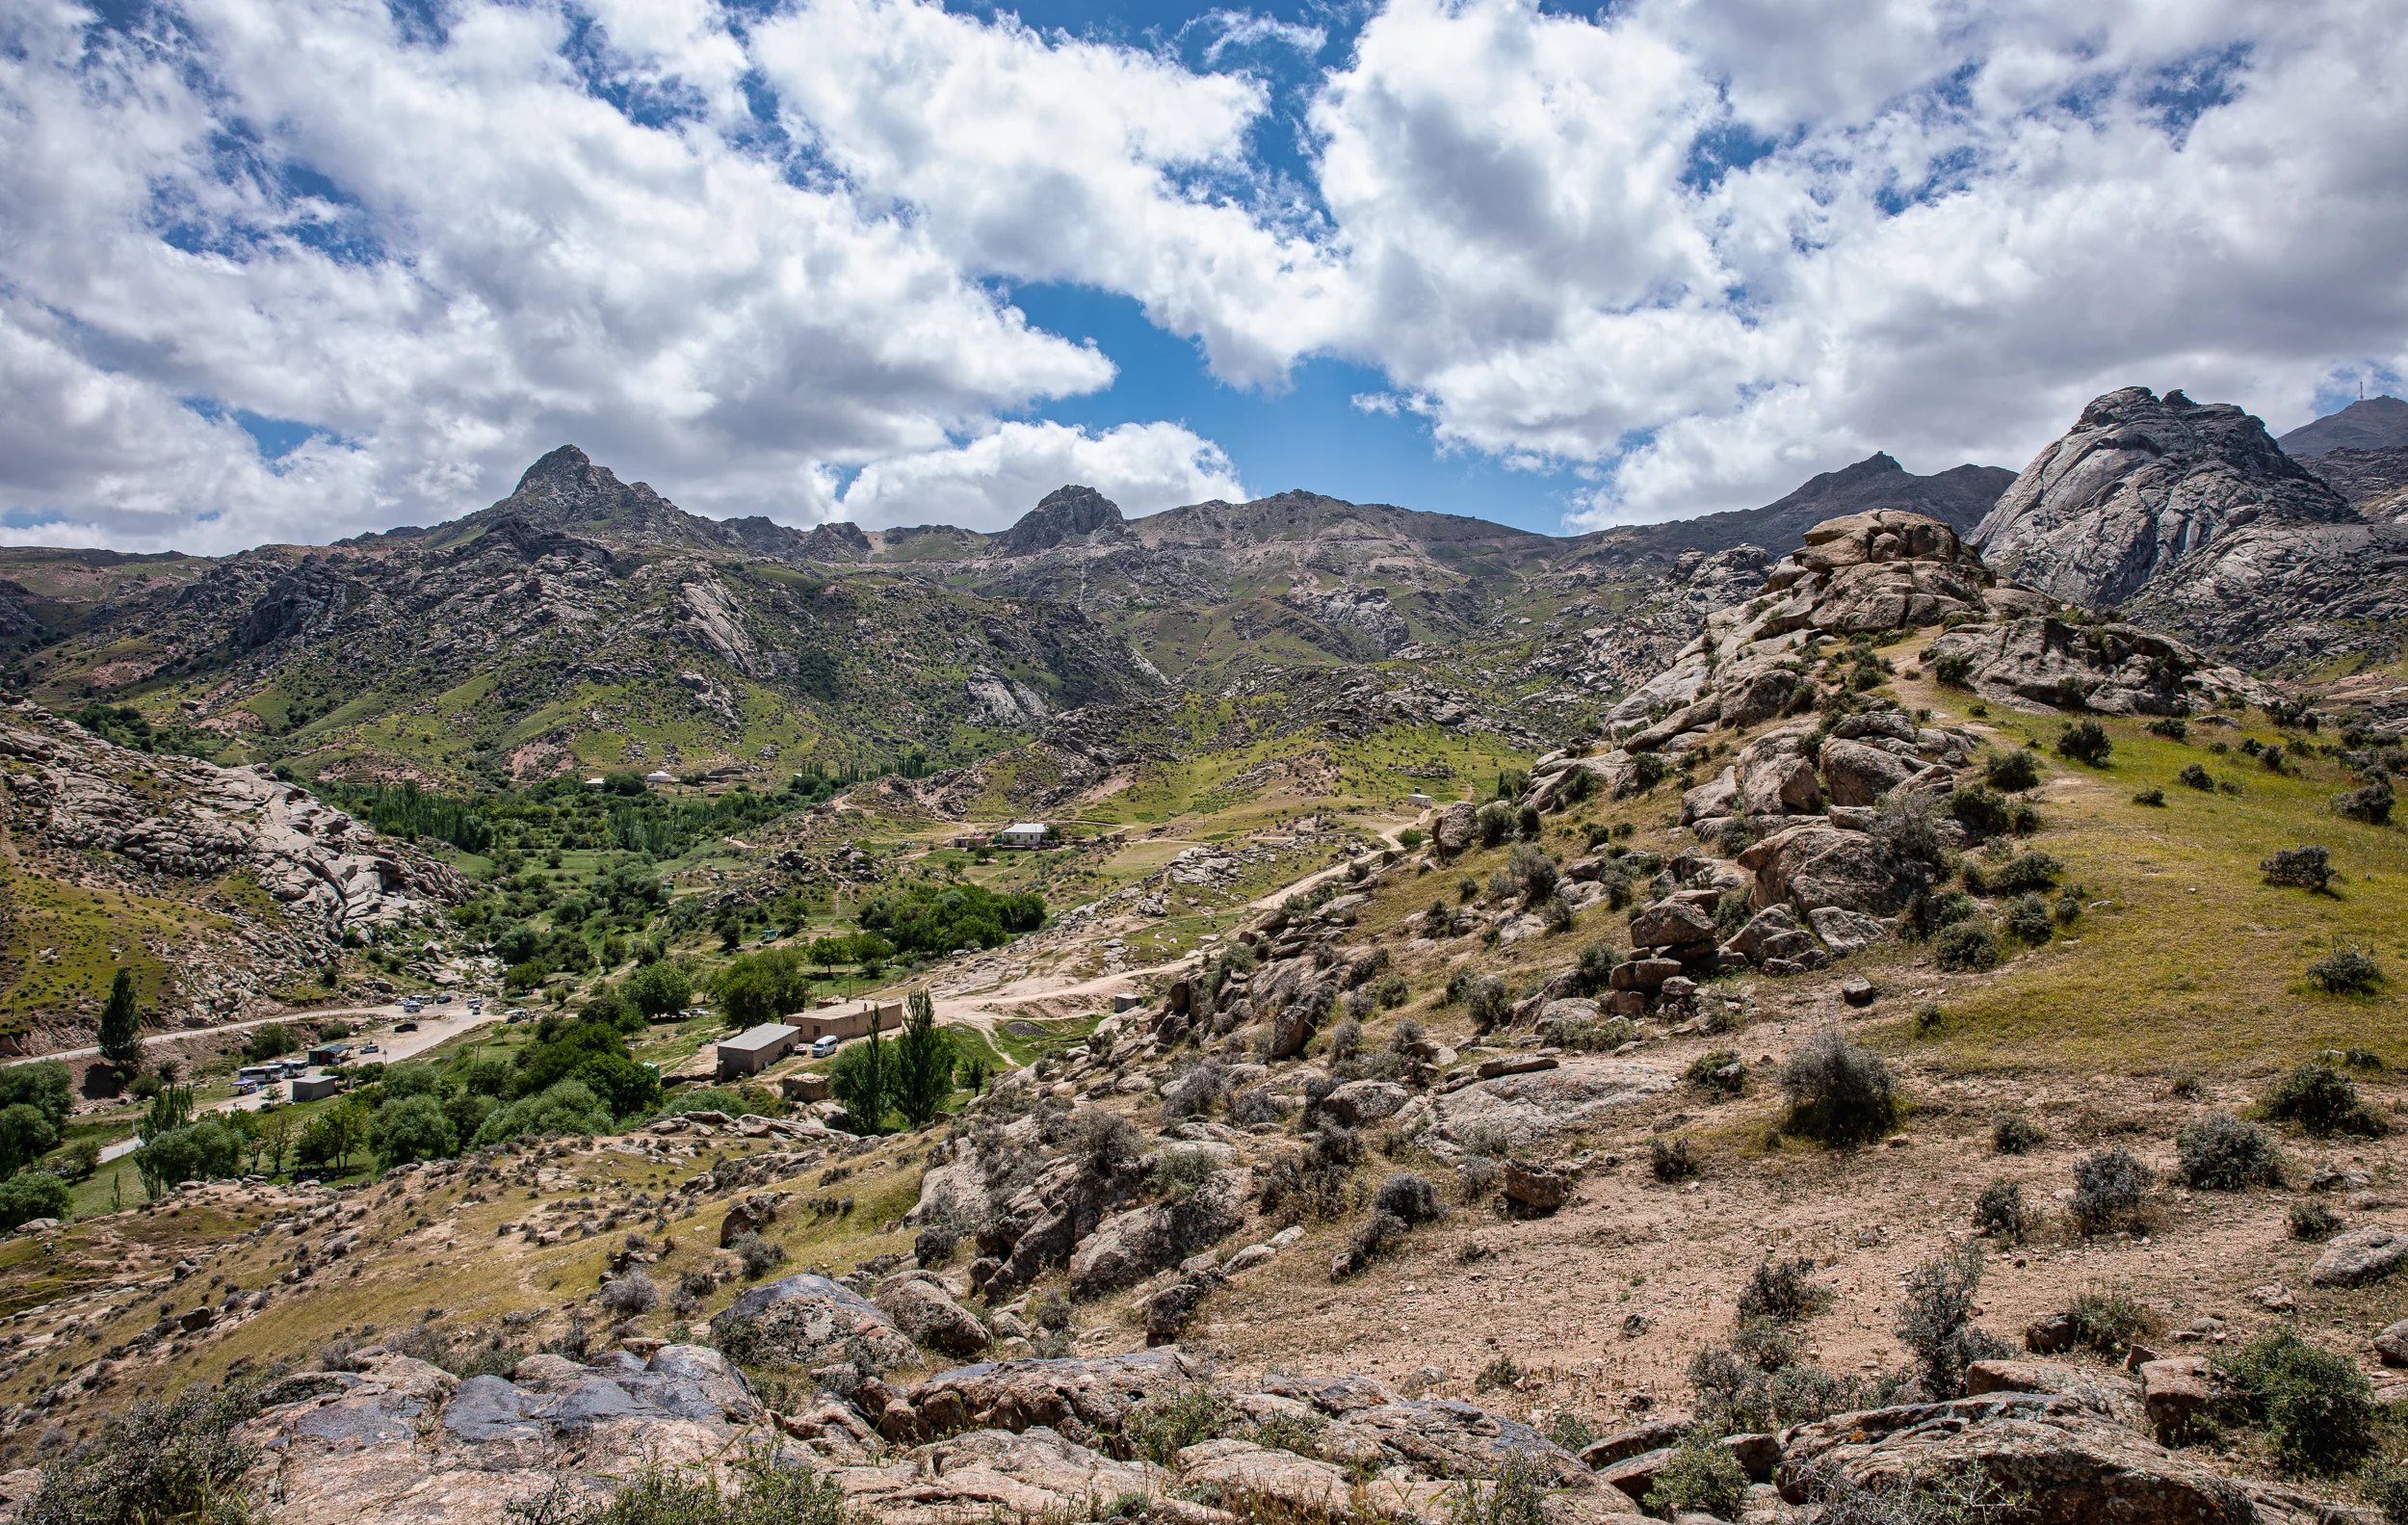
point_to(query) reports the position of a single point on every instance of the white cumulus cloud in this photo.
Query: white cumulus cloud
(1692, 252)
(990, 480)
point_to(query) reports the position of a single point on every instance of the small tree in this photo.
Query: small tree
(25, 1136)
(412, 1128)
(118, 1022)
(659, 988)
(923, 1062)
(275, 1140)
(862, 1079)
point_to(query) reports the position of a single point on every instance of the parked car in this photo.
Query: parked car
(405, 1027)
(826, 1047)
(368, 1048)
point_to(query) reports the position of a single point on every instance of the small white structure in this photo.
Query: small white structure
(314, 1088)
(594, 783)
(755, 1049)
(1023, 834)
(1420, 802)
(656, 775)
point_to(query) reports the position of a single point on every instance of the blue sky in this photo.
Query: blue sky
(901, 261)
(1309, 433)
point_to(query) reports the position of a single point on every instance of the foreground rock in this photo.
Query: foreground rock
(1032, 1439)
(2072, 1465)
(406, 1442)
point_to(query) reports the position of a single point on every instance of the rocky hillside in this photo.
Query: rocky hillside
(215, 885)
(1690, 1132)
(581, 624)
(2190, 519)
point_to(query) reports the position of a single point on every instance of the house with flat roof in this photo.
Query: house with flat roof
(815, 1025)
(1023, 834)
(755, 1049)
(314, 1088)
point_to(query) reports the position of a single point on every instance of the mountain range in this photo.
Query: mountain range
(586, 623)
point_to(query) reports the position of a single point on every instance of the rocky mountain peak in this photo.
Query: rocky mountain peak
(567, 470)
(2370, 422)
(2139, 483)
(1063, 512)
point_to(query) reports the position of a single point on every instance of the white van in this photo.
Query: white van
(826, 1047)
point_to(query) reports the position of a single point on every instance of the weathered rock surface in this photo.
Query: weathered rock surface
(2138, 483)
(2073, 1466)
(1019, 1395)
(1129, 1247)
(1524, 1108)
(927, 1315)
(390, 1448)
(2359, 1257)
(2192, 520)
(807, 1320)
(2115, 669)
(1814, 866)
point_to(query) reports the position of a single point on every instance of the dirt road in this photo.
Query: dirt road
(391, 1048)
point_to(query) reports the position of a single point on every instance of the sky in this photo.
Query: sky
(287, 270)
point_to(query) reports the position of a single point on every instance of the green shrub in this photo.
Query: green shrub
(1485, 1002)
(38, 1194)
(2307, 867)
(1594, 971)
(2345, 971)
(1699, 1475)
(2194, 777)
(2221, 1153)
(2085, 741)
(1953, 670)
(2026, 873)
(2385, 1487)
(1838, 1094)
(2000, 1210)
(410, 1128)
(2320, 1100)
(153, 1461)
(773, 1489)
(2012, 771)
(2317, 1407)
(1989, 813)
(1159, 1427)
(2029, 920)
(1516, 1496)
(2371, 803)
(2171, 728)
(2151, 796)
(2014, 1133)
(1781, 1290)
(1969, 945)
(1720, 1071)
(1927, 913)
(2109, 1320)
(1672, 1160)
(2312, 1221)
(2109, 1185)
(1935, 1322)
